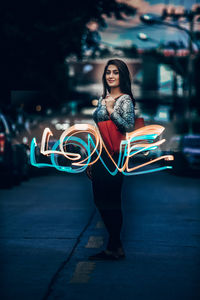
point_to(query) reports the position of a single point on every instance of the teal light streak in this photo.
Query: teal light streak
(33, 159)
(147, 171)
(74, 141)
(81, 143)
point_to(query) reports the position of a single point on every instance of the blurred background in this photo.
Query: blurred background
(51, 75)
(52, 56)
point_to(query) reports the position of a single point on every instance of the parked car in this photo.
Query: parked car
(14, 165)
(186, 151)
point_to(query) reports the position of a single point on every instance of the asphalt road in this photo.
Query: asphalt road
(49, 227)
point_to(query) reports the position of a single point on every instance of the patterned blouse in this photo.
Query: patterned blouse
(123, 115)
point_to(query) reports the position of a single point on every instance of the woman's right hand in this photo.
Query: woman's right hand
(103, 102)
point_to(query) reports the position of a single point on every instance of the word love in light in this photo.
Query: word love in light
(137, 141)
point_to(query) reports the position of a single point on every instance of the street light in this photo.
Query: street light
(151, 19)
(144, 37)
(174, 45)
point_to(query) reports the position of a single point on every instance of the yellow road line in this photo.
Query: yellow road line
(82, 272)
(95, 242)
(100, 224)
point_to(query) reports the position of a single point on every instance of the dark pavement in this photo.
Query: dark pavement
(49, 227)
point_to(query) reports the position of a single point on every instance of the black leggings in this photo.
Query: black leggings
(107, 197)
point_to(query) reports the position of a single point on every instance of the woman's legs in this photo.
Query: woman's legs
(113, 222)
(107, 197)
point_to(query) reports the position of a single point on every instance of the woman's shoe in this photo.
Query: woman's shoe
(104, 255)
(120, 252)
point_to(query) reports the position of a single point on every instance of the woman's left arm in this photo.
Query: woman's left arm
(124, 116)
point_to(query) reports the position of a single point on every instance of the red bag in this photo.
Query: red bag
(139, 123)
(111, 135)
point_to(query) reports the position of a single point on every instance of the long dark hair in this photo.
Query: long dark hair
(124, 78)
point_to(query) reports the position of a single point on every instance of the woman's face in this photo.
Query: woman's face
(112, 76)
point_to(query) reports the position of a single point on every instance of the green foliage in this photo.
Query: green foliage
(37, 36)
(50, 29)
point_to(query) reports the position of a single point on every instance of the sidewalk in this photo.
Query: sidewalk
(41, 222)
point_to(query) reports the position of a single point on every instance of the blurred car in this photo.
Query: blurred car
(14, 164)
(186, 151)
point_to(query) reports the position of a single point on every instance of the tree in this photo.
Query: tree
(37, 36)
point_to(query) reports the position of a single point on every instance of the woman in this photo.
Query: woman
(117, 103)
